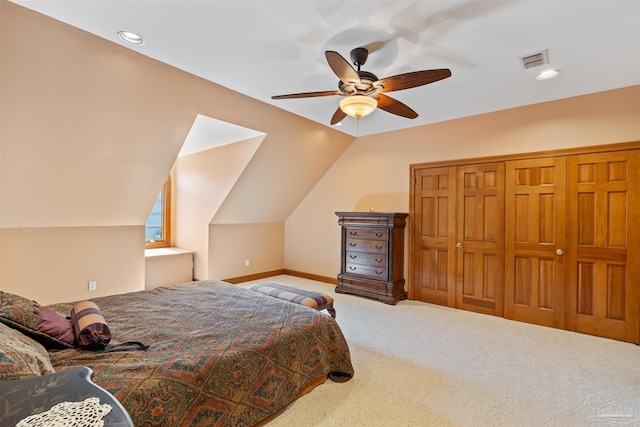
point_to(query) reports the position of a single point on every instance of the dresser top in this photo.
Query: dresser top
(373, 219)
(372, 214)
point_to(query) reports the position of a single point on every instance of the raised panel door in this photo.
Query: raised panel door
(603, 260)
(480, 238)
(433, 233)
(535, 241)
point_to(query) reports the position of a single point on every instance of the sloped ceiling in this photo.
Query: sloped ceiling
(90, 131)
(207, 133)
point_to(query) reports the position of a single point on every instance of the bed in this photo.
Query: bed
(218, 354)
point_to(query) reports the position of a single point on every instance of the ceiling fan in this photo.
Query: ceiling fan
(363, 91)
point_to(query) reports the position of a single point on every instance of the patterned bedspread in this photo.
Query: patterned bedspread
(219, 354)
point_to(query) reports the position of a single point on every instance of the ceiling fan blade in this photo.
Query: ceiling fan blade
(341, 67)
(306, 94)
(394, 106)
(338, 116)
(413, 79)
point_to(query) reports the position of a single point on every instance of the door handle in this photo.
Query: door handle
(559, 251)
(458, 245)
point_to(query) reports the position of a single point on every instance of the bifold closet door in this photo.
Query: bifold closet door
(480, 238)
(535, 241)
(569, 244)
(458, 237)
(603, 277)
(432, 276)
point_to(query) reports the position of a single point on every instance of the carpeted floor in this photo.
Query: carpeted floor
(419, 364)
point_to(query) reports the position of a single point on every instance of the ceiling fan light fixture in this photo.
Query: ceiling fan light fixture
(358, 106)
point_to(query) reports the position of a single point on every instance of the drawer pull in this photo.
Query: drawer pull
(352, 268)
(353, 233)
(353, 256)
(379, 272)
(353, 245)
(379, 247)
(379, 234)
(379, 260)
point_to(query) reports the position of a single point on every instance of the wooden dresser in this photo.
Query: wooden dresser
(372, 255)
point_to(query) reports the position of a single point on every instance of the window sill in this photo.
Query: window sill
(165, 252)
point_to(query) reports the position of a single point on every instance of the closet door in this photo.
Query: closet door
(480, 238)
(603, 277)
(535, 241)
(432, 238)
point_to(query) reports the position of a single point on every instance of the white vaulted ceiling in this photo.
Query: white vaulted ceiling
(263, 48)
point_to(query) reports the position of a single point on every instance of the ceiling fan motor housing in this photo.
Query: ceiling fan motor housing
(359, 56)
(365, 87)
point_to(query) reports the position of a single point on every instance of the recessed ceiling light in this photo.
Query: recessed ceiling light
(548, 74)
(130, 37)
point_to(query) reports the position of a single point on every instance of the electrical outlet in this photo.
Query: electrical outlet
(247, 263)
(92, 285)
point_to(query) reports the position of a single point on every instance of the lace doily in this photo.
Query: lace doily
(88, 413)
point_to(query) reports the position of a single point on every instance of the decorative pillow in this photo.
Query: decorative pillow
(55, 325)
(89, 327)
(21, 357)
(46, 326)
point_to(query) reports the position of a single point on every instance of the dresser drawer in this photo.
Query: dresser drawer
(379, 273)
(359, 245)
(367, 234)
(366, 258)
(364, 286)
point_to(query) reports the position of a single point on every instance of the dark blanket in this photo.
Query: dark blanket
(218, 354)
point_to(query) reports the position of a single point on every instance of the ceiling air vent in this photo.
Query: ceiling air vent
(534, 59)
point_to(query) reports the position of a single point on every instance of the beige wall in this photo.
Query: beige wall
(83, 121)
(32, 265)
(167, 266)
(374, 171)
(202, 181)
(232, 244)
(89, 131)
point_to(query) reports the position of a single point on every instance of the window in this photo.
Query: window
(158, 227)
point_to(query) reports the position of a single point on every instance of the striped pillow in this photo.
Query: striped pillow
(89, 327)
